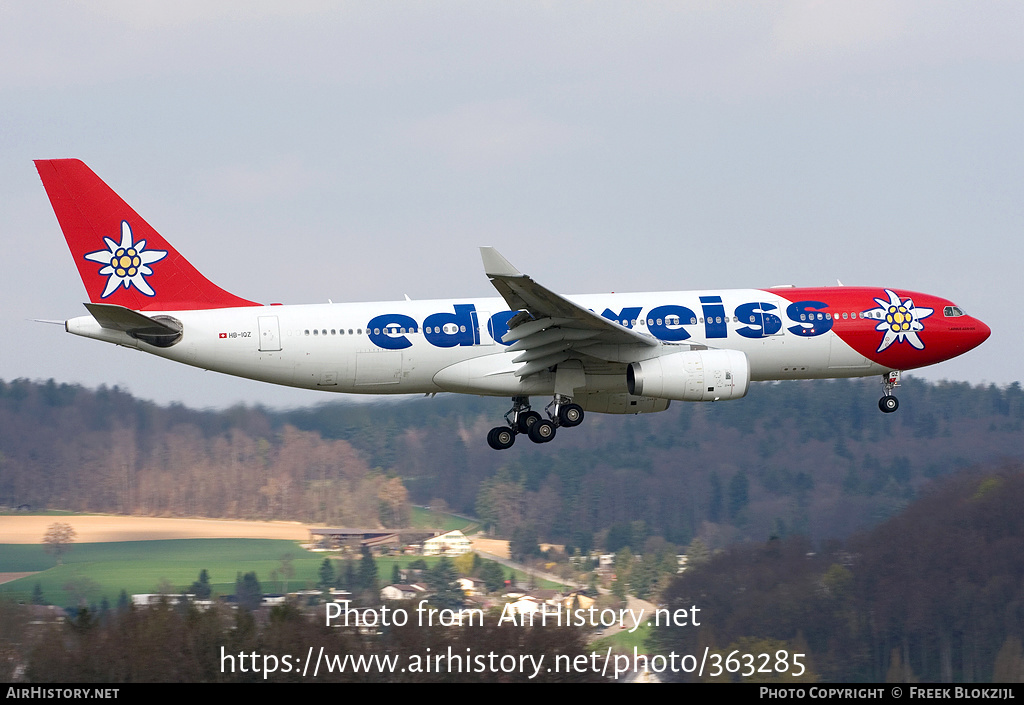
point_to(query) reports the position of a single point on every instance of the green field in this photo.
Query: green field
(421, 518)
(96, 570)
(623, 641)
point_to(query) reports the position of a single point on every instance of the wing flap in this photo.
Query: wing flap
(539, 365)
(551, 335)
(528, 326)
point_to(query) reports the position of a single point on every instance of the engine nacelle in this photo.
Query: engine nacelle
(695, 375)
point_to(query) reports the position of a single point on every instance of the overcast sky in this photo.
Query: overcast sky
(302, 151)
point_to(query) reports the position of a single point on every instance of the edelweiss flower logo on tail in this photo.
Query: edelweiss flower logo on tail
(899, 319)
(127, 263)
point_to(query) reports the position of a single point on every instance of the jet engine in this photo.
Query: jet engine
(695, 375)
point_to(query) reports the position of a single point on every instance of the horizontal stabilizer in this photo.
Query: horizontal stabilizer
(163, 331)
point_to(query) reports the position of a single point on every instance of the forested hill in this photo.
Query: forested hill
(815, 458)
(932, 594)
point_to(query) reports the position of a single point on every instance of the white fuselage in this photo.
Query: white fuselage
(333, 347)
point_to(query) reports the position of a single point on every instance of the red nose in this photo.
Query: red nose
(975, 335)
(981, 333)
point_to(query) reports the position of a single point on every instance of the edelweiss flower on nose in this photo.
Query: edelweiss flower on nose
(126, 263)
(899, 319)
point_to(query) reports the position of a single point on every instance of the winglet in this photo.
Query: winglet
(497, 266)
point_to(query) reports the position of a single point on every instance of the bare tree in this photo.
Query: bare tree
(287, 571)
(58, 539)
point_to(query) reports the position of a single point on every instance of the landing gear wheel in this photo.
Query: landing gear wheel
(570, 415)
(889, 403)
(501, 438)
(526, 420)
(542, 431)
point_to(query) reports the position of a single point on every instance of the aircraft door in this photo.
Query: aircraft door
(763, 323)
(270, 334)
(480, 334)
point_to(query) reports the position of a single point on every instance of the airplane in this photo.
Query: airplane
(623, 353)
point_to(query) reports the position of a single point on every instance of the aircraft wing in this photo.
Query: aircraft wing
(550, 329)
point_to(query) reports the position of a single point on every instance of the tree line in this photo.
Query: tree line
(796, 458)
(179, 643)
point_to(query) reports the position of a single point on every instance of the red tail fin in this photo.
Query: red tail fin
(121, 258)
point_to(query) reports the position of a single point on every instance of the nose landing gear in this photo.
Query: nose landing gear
(521, 419)
(888, 403)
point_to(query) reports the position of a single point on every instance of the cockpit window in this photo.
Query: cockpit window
(952, 311)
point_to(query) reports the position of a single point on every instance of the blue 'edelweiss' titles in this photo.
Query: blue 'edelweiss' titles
(899, 319)
(126, 263)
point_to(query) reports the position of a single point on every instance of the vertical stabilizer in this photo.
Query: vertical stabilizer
(121, 258)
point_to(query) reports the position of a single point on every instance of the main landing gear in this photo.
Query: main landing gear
(521, 419)
(888, 403)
